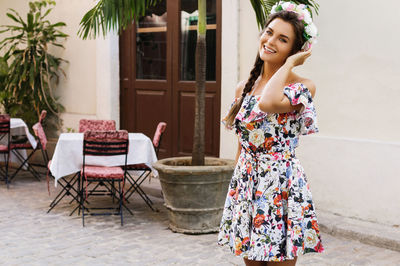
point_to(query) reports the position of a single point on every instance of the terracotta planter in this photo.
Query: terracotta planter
(194, 195)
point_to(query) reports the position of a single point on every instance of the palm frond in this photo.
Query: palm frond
(259, 9)
(114, 15)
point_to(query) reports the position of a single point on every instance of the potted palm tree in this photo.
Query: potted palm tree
(195, 187)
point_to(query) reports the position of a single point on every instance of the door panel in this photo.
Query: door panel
(126, 92)
(151, 107)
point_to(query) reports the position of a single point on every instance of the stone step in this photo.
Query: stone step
(371, 233)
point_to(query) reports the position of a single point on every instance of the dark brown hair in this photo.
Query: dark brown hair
(298, 28)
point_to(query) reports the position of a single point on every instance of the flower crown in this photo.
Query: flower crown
(310, 30)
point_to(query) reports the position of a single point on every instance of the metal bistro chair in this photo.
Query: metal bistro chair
(96, 125)
(5, 149)
(146, 171)
(41, 145)
(104, 143)
(68, 185)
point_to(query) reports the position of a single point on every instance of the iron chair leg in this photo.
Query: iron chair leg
(135, 187)
(23, 163)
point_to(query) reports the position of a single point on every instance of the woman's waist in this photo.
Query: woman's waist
(274, 154)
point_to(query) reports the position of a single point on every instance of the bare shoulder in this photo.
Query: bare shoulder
(310, 86)
(239, 88)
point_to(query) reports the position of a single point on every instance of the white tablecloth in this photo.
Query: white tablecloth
(68, 154)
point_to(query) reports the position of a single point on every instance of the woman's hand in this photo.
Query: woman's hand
(298, 58)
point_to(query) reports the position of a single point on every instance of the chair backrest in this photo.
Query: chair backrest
(5, 127)
(5, 124)
(105, 143)
(158, 135)
(96, 125)
(39, 131)
(42, 115)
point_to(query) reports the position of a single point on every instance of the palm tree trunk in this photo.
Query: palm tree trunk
(198, 137)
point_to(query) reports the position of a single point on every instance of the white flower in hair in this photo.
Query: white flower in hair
(302, 6)
(311, 30)
(285, 5)
(307, 17)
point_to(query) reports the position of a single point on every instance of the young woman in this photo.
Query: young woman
(269, 216)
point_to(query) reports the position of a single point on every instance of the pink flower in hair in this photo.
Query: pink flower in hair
(307, 46)
(290, 7)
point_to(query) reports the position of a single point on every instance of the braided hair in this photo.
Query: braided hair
(298, 28)
(255, 72)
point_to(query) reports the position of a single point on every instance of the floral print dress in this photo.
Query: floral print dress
(269, 213)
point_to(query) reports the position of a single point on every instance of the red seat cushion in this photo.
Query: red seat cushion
(114, 172)
(21, 146)
(3, 148)
(140, 166)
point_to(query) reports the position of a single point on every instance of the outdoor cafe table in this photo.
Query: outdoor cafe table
(68, 155)
(19, 127)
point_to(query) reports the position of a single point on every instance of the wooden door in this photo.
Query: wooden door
(157, 75)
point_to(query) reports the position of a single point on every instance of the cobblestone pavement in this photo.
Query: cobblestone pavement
(30, 236)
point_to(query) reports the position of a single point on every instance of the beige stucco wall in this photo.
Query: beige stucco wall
(351, 163)
(91, 86)
(230, 68)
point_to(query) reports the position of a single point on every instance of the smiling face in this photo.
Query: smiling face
(276, 42)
